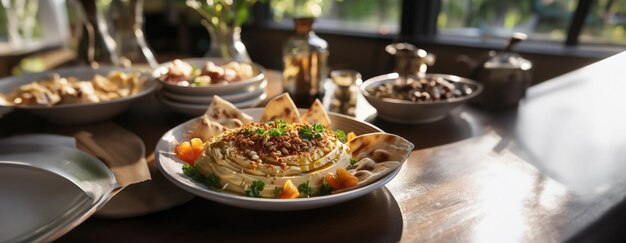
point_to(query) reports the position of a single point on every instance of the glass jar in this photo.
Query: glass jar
(305, 57)
(346, 89)
(126, 17)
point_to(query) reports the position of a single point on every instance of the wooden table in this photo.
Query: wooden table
(551, 171)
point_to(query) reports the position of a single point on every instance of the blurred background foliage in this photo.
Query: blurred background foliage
(542, 19)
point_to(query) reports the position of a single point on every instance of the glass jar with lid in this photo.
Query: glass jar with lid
(305, 58)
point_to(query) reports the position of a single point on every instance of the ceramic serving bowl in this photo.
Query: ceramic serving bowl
(80, 113)
(243, 86)
(411, 112)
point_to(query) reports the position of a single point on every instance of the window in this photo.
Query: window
(606, 23)
(598, 25)
(540, 19)
(365, 16)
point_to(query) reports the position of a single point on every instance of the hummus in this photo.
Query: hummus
(272, 152)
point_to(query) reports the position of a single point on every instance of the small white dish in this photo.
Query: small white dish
(48, 190)
(73, 114)
(232, 98)
(213, 89)
(199, 109)
(171, 167)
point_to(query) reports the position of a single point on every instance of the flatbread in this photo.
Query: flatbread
(219, 117)
(378, 154)
(226, 113)
(281, 107)
(316, 114)
(206, 129)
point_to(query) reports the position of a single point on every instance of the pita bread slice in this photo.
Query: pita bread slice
(206, 129)
(226, 114)
(281, 107)
(378, 154)
(316, 114)
(221, 116)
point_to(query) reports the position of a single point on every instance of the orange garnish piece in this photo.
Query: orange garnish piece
(189, 151)
(289, 191)
(332, 181)
(197, 146)
(347, 179)
(350, 136)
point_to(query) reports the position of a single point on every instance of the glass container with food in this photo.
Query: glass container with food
(305, 57)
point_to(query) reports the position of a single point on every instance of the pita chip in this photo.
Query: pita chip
(226, 114)
(281, 107)
(206, 129)
(316, 114)
(377, 154)
(221, 116)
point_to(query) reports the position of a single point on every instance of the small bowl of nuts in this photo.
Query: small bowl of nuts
(414, 99)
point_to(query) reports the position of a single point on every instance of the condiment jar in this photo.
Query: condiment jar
(505, 76)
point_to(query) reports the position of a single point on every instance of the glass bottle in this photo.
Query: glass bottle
(305, 57)
(126, 18)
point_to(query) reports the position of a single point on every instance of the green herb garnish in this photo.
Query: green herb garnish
(255, 189)
(311, 132)
(305, 189)
(260, 131)
(277, 191)
(353, 161)
(211, 181)
(341, 135)
(277, 132)
(325, 189)
(248, 130)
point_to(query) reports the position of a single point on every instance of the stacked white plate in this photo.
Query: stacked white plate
(195, 100)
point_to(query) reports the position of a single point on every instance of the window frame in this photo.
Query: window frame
(418, 24)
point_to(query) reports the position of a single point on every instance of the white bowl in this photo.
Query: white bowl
(410, 112)
(73, 114)
(199, 109)
(233, 98)
(213, 89)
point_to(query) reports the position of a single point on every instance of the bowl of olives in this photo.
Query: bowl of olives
(418, 99)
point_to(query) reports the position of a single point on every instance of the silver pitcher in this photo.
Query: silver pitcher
(505, 76)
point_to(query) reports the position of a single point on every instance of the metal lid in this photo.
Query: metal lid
(507, 60)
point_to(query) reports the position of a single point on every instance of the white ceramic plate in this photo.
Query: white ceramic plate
(199, 109)
(77, 113)
(232, 98)
(171, 167)
(45, 191)
(214, 89)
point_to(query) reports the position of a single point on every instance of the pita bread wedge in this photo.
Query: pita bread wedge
(378, 154)
(316, 114)
(206, 129)
(281, 107)
(221, 116)
(226, 113)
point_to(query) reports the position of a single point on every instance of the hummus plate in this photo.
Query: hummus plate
(171, 167)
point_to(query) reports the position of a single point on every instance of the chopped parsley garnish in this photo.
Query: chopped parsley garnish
(353, 161)
(255, 189)
(260, 131)
(280, 122)
(325, 189)
(341, 135)
(248, 130)
(277, 132)
(314, 131)
(277, 191)
(211, 181)
(305, 189)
